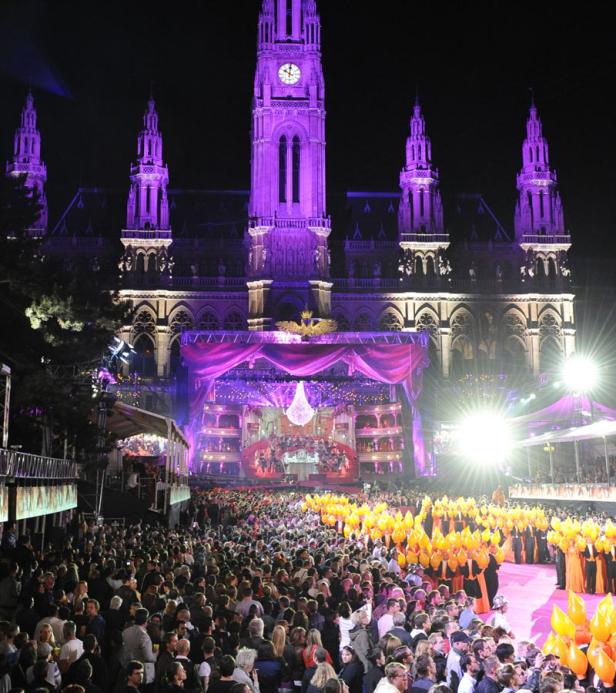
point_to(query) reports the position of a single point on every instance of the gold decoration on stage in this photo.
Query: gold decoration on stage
(308, 326)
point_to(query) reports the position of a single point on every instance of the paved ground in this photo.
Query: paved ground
(531, 591)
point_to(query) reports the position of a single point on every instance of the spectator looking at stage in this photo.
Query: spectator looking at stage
(470, 667)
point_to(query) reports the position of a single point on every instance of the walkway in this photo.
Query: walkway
(531, 592)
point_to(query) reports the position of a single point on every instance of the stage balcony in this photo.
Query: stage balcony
(15, 464)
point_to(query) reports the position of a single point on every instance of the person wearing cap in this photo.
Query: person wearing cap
(459, 646)
(499, 620)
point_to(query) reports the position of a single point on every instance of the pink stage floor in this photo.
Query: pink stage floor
(531, 591)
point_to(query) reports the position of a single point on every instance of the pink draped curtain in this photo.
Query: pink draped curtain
(386, 363)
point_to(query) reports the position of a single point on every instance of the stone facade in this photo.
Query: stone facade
(373, 261)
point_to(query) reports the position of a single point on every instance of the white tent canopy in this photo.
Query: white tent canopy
(596, 430)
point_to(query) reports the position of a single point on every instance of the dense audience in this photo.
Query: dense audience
(250, 595)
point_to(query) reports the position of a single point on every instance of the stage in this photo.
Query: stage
(531, 592)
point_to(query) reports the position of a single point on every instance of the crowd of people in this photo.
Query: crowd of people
(252, 594)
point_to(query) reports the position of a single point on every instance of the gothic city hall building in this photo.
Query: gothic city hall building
(490, 297)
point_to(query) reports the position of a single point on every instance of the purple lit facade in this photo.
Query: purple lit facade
(26, 160)
(225, 262)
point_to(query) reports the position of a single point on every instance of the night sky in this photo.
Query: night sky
(91, 64)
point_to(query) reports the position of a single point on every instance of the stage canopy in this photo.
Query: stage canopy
(390, 357)
(571, 418)
(126, 420)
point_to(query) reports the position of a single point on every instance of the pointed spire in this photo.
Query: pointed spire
(539, 208)
(26, 159)
(420, 208)
(147, 200)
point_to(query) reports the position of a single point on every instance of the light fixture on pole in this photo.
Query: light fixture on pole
(5, 372)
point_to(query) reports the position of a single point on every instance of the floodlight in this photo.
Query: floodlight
(484, 437)
(580, 374)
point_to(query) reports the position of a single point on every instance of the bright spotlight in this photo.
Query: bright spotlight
(580, 374)
(484, 438)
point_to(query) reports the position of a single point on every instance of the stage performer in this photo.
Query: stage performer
(498, 497)
(443, 574)
(475, 586)
(491, 575)
(573, 569)
(516, 543)
(529, 544)
(590, 567)
(610, 561)
(559, 560)
(542, 546)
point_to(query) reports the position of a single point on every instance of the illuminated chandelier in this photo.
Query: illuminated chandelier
(299, 412)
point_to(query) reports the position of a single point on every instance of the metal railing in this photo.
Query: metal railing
(24, 465)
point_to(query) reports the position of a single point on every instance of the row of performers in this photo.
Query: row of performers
(591, 571)
(522, 545)
(479, 584)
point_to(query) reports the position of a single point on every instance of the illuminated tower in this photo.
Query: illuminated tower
(288, 260)
(420, 215)
(539, 220)
(148, 235)
(27, 162)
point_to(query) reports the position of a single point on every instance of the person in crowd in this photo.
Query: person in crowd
(245, 671)
(489, 682)
(470, 666)
(352, 670)
(323, 673)
(395, 679)
(424, 674)
(361, 637)
(498, 619)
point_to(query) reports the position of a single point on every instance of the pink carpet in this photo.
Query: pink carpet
(531, 592)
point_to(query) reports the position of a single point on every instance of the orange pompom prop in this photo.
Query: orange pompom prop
(561, 623)
(576, 609)
(576, 660)
(600, 626)
(604, 668)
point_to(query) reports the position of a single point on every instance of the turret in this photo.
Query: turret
(421, 233)
(148, 235)
(27, 162)
(539, 221)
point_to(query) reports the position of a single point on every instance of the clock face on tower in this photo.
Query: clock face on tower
(289, 73)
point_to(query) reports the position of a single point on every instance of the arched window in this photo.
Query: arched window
(296, 150)
(551, 268)
(282, 169)
(391, 322)
(175, 358)
(209, 321)
(181, 321)
(144, 361)
(152, 263)
(234, 321)
(362, 323)
(140, 263)
(419, 266)
(430, 270)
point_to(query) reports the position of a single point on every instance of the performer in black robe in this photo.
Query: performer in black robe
(561, 575)
(516, 544)
(610, 565)
(590, 568)
(529, 544)
(491, 577)
(443, 573)
(542, 546)
(470, 571)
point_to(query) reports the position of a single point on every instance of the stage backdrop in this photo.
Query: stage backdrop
(400, 363)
